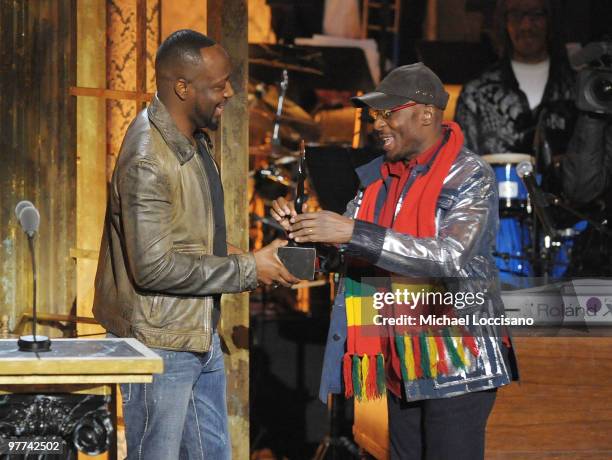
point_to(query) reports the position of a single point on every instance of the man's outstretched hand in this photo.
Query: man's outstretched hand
(283, 210)
(270, 269)
(312, 227)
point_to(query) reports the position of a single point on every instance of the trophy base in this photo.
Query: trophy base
(300, 261)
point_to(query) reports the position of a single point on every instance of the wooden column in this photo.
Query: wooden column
(91, 152)
(228, 24)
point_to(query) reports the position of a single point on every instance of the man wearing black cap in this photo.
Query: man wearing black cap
(424, 220)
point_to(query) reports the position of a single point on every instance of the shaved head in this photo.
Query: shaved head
(179, 55)
(192, 74)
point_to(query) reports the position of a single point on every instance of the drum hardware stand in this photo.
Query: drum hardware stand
(550, 247)
(284, 84)
(556, 201)
(597, 226)
(540, 204)
(330, 446)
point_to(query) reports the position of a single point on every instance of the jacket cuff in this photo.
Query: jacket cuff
(367, 241)
(248, 271)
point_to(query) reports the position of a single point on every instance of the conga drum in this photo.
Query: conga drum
(515, 220)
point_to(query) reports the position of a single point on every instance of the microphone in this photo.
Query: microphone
(29, 219)
(21, 205)
(525, 171)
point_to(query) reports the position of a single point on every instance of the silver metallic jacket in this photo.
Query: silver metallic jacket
(460, 254)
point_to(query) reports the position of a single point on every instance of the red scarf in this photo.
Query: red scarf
(417, 214)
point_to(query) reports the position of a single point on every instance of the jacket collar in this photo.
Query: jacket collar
(178, 143)
(370, 172)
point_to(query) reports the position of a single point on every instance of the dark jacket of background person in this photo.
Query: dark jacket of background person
(495, 116)
(587, 167)
(587, 185)
(156, 275)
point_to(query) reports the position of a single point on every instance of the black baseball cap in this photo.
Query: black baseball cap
(414, 82)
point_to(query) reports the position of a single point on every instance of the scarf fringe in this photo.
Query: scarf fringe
(400, 347)
(416, 350)
(347, 367)
(364, 376)
(357, 377)
(442, 365)
(470, 343)
(425, 355)
(380, 374)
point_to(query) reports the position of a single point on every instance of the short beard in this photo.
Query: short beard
(207, 122)
(212, 125)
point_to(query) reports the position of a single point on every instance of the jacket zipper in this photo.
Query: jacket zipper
(210, 229)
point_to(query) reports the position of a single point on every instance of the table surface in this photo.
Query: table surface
(79, 360)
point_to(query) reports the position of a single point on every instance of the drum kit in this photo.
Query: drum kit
(278, 125)
(524, 247)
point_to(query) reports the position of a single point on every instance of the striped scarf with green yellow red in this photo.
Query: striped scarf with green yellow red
(421, 352)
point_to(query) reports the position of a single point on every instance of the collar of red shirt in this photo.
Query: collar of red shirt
(399, 168)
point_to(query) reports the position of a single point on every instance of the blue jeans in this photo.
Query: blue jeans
(182, 414)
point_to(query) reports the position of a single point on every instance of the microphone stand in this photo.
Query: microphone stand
(32, 343)
(556, 201)
(543, 158)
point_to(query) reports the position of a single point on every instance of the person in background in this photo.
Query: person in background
(529, 91)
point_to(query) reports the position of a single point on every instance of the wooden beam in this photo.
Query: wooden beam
(141, 49)
(110, 93)
(228, 24)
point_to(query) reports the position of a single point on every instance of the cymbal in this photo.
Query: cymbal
(290, 57)
(277, 64)
(274, 152)
(294, 125)
(261, 126)
(267, 63)
(290, 108)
